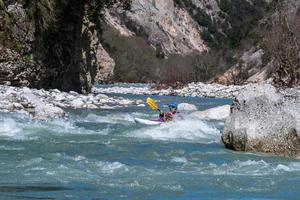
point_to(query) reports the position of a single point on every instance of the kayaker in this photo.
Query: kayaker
(167, 116)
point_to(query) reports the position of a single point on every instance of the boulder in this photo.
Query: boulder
(39, 108)
(217, 113)
(77, 103)
(264, 119)
(45, 111)
(186, 107)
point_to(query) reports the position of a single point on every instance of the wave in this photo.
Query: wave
(243, 168)
(181, 130)
(110, 118)
(8, 127)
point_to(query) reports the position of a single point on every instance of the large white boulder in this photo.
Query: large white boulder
(264, 119)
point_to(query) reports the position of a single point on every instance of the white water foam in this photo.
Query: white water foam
(11, 148)
(9, 128)
(111, 167)
(245, 168)
(110, 118)
(181, 130)
(61, 126)
(103, 167)
(179, 160)
(30, 162)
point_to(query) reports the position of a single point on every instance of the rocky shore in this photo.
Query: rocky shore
(192, 89)
(43, 104)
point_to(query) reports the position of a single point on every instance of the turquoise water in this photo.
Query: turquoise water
(103, 154)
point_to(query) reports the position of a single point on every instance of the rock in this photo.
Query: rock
(77, 103)
(107, 107)
(73, 93)
(59, 97)
(39, 108)
(254, 71)
(61, 105)
(23, 29)
(55, 90)
(7, 106)
(186, 107)
(139, 101)
(46, 111)
(91, 106)
(18, 106)
(217, 113)
(264, 120)
(125, 102)
(106, 65)
(102, 96)
(15, 69)
(29, 97)
(168, 28)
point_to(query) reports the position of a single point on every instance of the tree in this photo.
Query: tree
(283, 41)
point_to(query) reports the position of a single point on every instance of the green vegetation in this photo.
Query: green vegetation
(19, 46)
(1, 4)
(140, 62)
(27, 58)
(241, 17)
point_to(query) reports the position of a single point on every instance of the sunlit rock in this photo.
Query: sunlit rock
(186, 107)
(217, 113)
(264, 119)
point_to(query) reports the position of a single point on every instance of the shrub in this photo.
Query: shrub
(283, 42)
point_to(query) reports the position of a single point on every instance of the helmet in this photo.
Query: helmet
(173, 105)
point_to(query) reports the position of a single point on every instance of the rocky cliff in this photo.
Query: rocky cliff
(203, 37)
(167, 27)
(53, 44)
(59, 44)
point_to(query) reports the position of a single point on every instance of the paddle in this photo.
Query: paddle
(152, 104)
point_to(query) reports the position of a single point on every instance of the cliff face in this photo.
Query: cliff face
(186, 31)
(168, 28)
(60, 44)
(51, 44)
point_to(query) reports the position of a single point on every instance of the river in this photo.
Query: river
(103, 154)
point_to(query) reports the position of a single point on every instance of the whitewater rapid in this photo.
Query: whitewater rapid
(103, 153)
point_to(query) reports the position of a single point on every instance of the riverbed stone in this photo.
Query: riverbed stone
(77, 103)
(43, 104)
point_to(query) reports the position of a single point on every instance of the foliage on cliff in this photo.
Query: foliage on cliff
(235, 20)
(283, 44)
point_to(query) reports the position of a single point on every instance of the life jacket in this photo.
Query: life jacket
(167, 116)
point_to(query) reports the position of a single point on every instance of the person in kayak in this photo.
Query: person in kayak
(167, 116)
